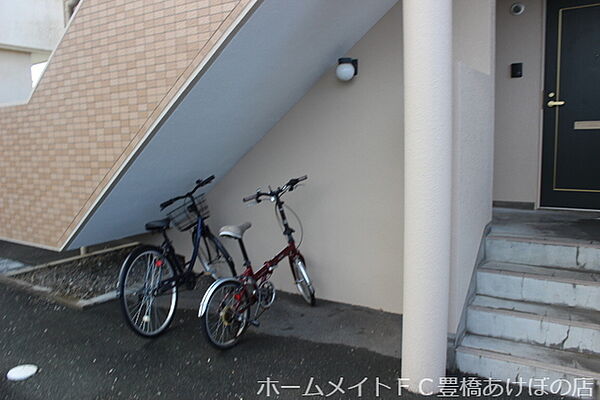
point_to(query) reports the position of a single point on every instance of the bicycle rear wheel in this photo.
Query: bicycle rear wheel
(302, 280)
(214, 258)
(226, 315)
(148, 306)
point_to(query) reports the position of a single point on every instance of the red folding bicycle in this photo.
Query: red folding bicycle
(227, 304)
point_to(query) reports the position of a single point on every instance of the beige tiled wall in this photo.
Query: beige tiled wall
(119, 65)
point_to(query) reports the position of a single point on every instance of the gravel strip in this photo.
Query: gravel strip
(84, 278)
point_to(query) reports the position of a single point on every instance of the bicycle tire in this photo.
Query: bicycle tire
(133, 268)
(302, 280)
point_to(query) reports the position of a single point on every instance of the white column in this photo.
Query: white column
(428, 176)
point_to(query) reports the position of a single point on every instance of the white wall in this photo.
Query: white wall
(15, 76)
(31, 24)
(348, 138)
(29, 32)
(473, 33)
(518, 102)
(473, 142)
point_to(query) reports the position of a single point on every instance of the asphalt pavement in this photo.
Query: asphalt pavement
(92, 355)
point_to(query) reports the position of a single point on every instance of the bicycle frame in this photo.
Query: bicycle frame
(269, 266)
(169, 250)
(200, 229)
(290, 251)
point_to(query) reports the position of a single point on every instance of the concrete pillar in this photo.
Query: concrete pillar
(428, 176)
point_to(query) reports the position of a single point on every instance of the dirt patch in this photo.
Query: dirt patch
(83, 278)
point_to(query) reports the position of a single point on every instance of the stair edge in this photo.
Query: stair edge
(537, 317)
(485, 268)
(569, 242)
(509, 358)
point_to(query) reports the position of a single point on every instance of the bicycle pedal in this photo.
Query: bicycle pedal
(254, 322)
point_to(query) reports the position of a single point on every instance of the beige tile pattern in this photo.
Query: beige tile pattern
(119, 65)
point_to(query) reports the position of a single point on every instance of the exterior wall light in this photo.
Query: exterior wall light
(347, 68)
(517, 8)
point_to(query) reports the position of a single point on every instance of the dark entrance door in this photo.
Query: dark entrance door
(571, 137)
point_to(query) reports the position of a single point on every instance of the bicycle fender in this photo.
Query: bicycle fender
(210, 291)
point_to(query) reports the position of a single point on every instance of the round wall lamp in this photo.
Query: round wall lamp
(517, 8)
(347, 68)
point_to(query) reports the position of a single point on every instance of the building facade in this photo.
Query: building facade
(455, 106)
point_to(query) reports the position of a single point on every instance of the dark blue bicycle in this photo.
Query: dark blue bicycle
(151, 276)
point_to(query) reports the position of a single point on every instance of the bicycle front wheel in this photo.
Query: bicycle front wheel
(302, 280)
(147, 303)
(226, 315)
(214, 257)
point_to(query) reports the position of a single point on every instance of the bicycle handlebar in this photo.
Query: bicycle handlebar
(290, 185)
(199, 184)
(251, 197)
(167, 203)
(294, 181)
(204, 182)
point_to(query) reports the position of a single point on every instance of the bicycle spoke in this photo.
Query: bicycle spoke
(137, 311)
(223, 327)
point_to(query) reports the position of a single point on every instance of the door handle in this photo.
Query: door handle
(556, 103)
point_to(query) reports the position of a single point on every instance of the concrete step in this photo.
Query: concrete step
(544, 252)
(563, 372)
(548, 285)
(557, 327)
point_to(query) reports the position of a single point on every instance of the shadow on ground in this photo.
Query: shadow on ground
(328, 322)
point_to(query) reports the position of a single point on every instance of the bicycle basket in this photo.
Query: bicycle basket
(183, 217)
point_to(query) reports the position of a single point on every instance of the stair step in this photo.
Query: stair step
(505, 359)
(548, 285)
(577, 316)
(561, 274)
(544, 252)
(583, 364)
(553, 326)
